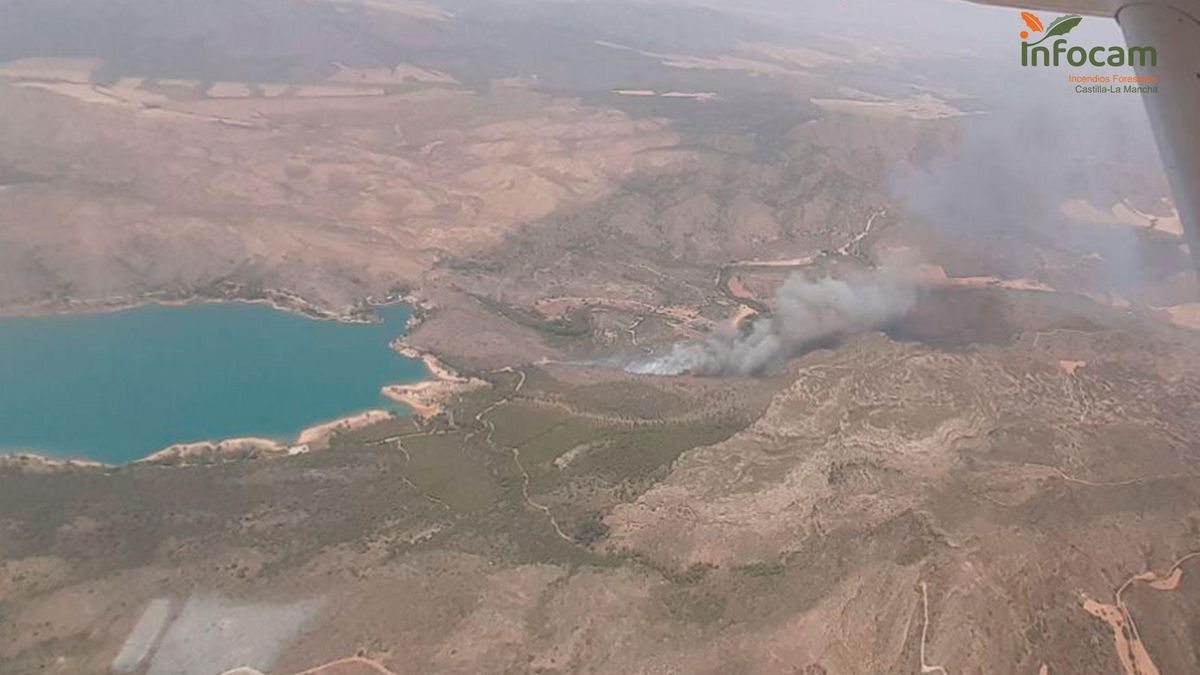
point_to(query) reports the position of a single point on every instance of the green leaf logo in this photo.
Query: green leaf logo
(1060, 26)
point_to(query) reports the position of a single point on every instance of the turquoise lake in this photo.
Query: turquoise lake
(118, 386)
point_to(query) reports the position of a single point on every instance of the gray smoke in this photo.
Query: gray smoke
(807, 313)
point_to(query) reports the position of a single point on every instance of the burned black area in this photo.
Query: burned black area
(957, 317)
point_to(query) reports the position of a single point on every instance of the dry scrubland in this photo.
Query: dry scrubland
(573, 518)
(971, 489)
(330, 198)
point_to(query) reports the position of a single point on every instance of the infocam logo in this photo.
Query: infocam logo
(1035, 54)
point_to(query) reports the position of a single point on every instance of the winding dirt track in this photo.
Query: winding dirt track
(925, 667)
(359, 660)
(848, 248)
(481, 419)
(1131, 651)
(690, 417)
(537, 505)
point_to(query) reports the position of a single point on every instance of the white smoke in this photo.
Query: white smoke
(807, 313)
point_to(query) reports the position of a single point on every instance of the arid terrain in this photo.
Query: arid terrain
(998, 477)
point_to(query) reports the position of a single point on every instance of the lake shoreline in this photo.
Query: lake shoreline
(310, 439)
(439, 380)
(277, 299)
(427, 398)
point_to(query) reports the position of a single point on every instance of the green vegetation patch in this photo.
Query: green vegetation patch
(517, 424)
(631, 399)
(402, 425)
(576, 323)
(641, 452)
(440, 466)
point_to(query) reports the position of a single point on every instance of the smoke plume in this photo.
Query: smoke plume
(807, 314)
(995, 205)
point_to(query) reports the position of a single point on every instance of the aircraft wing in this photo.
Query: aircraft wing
(1090, 7)
(1172, 27)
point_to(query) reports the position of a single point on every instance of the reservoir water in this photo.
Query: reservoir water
(118, 386)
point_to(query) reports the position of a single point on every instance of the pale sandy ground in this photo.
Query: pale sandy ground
(1122, 214)
(180, 82)
(738, 289)
(787, 262)
(429, 397)
(565, 460)
(754, 66)
(1167, 583)
(1010, 284)
(1185, 316)
(1069, 367)
(318, 437)
(422, 397)
(208, 448)
(129, 90)
(697, 95)
(273, 89)
(730, 62)
(1135, 660)
(331, 91)
(313, 438)
(37, 463)
(399, 74)
(81, 92)
(934, 276)
(228, 90)
(71, 77)
(755, 58)
(78, 71)
(1131, 651)
(920, 107)
(744, 312)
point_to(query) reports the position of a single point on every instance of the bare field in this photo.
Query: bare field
(250, 194)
